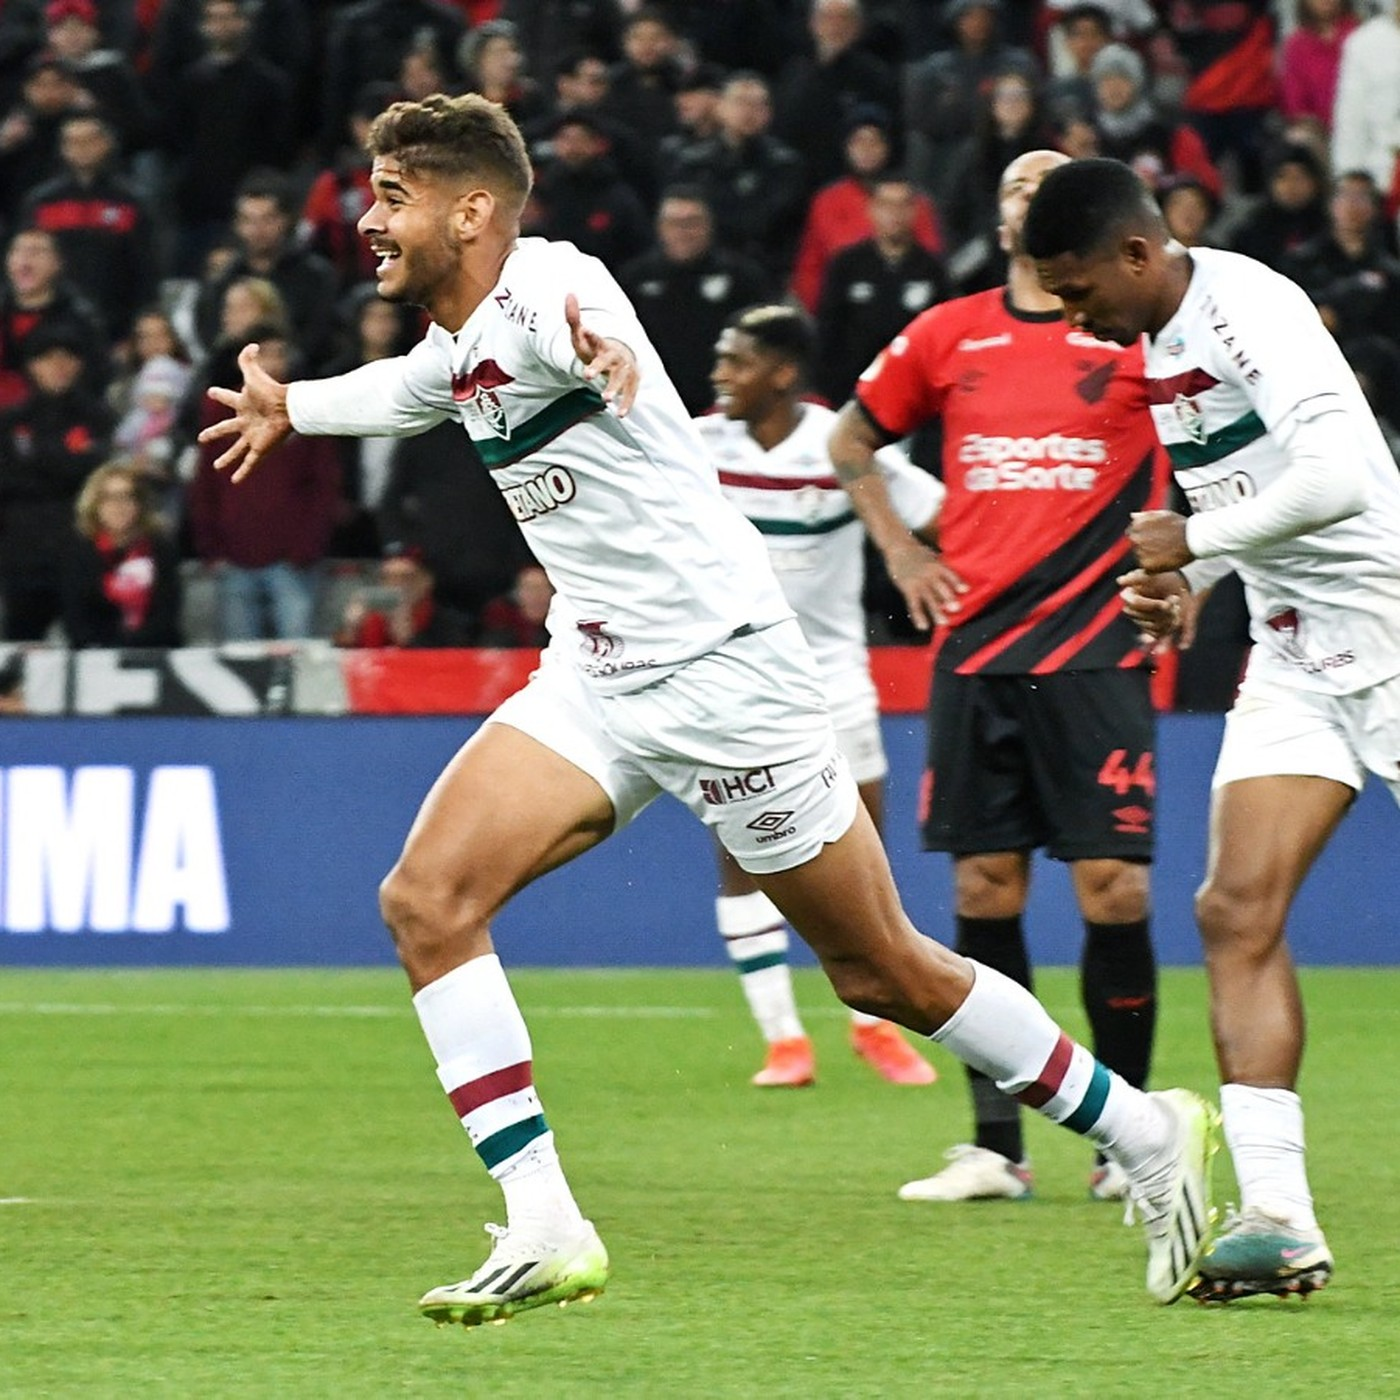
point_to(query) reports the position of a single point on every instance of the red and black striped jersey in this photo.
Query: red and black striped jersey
(1048, 448)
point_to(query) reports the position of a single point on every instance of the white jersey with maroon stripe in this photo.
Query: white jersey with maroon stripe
(1242, 362)
(652, 566)
(792, 495)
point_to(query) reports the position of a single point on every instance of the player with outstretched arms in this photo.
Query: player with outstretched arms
(675, 666)
(769, 445)
(1041, 731)
(1291, 485)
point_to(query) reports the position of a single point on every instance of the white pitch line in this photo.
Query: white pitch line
(16, 1200)
(98, 1008)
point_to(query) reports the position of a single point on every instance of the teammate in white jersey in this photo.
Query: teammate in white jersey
(770, 449)
(675, 666)
(1292, 486)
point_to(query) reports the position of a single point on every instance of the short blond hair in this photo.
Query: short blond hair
(85, 512)
(467, 137)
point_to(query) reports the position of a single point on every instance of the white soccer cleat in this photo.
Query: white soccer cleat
(972, 1174)
(1173, 1202)
(1108, 1182)
(522, 1273)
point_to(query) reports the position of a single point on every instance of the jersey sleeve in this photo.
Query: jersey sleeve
(899, 391)
(915, 494)
(603, 308)
(385, 398)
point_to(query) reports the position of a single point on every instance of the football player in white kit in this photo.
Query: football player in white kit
(675, 665)
(770, 449)
(1291, 485)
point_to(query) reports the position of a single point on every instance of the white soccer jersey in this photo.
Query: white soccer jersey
(652, 566)
(793, 497)
(1242, 362)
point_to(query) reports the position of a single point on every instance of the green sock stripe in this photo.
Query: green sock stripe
(1091, 1106)
(757, 964)
(513, 1138)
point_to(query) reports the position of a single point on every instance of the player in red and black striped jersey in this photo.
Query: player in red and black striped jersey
(1041, 729)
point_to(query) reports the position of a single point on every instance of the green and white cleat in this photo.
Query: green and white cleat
(1174, 1201)
(521, 1274)
(1258, 1253)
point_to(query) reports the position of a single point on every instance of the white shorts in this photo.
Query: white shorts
(740, 736)
(1275, 730)
(864, 750)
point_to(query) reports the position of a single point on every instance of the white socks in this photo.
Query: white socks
(756, 938)
(478, 1038)
(1004, 1032)
(1264, 1128)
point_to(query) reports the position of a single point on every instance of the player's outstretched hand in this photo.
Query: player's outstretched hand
(608, 360)
(1159, 540)
(259, 420)
(1161, 606)
(931, 589)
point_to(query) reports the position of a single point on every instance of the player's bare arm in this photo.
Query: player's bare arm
(929, 587)
(1159, 540)
(605, 359)
(259, 420)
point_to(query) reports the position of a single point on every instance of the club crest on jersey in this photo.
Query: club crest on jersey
(1287, 627)
(476, 392)
(598, 643)
(1189, 418)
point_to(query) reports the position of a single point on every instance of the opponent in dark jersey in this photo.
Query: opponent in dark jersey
(1041, 728)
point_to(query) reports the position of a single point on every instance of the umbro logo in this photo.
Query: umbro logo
(769, 821)
(1134, 820)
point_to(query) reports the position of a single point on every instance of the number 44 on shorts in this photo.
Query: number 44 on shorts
(1122, 777)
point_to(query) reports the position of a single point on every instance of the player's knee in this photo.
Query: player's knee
(1113, 891)
(990, 886)
(1236, 921)
(426, 918)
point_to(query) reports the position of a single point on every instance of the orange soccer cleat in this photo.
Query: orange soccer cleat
(790, 1065)
(887, 1052)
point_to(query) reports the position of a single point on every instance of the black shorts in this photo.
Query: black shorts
(1064, 761)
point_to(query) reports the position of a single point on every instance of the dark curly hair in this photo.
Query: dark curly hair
(466, 137)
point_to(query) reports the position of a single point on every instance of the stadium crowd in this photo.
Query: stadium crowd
(180, 177)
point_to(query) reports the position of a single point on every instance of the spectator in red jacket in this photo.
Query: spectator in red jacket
(517, 618)
(1228, 50)
(121, 578)
(840, 214)
(265, 537)
(402, 611)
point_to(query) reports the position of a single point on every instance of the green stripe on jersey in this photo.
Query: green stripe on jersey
(529, 436)
(801, 527)
(513, 1138)
(1229, 439)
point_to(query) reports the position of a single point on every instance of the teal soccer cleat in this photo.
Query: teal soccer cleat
(1258, 1253)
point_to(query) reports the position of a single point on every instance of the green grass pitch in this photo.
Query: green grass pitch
(238, 1183)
